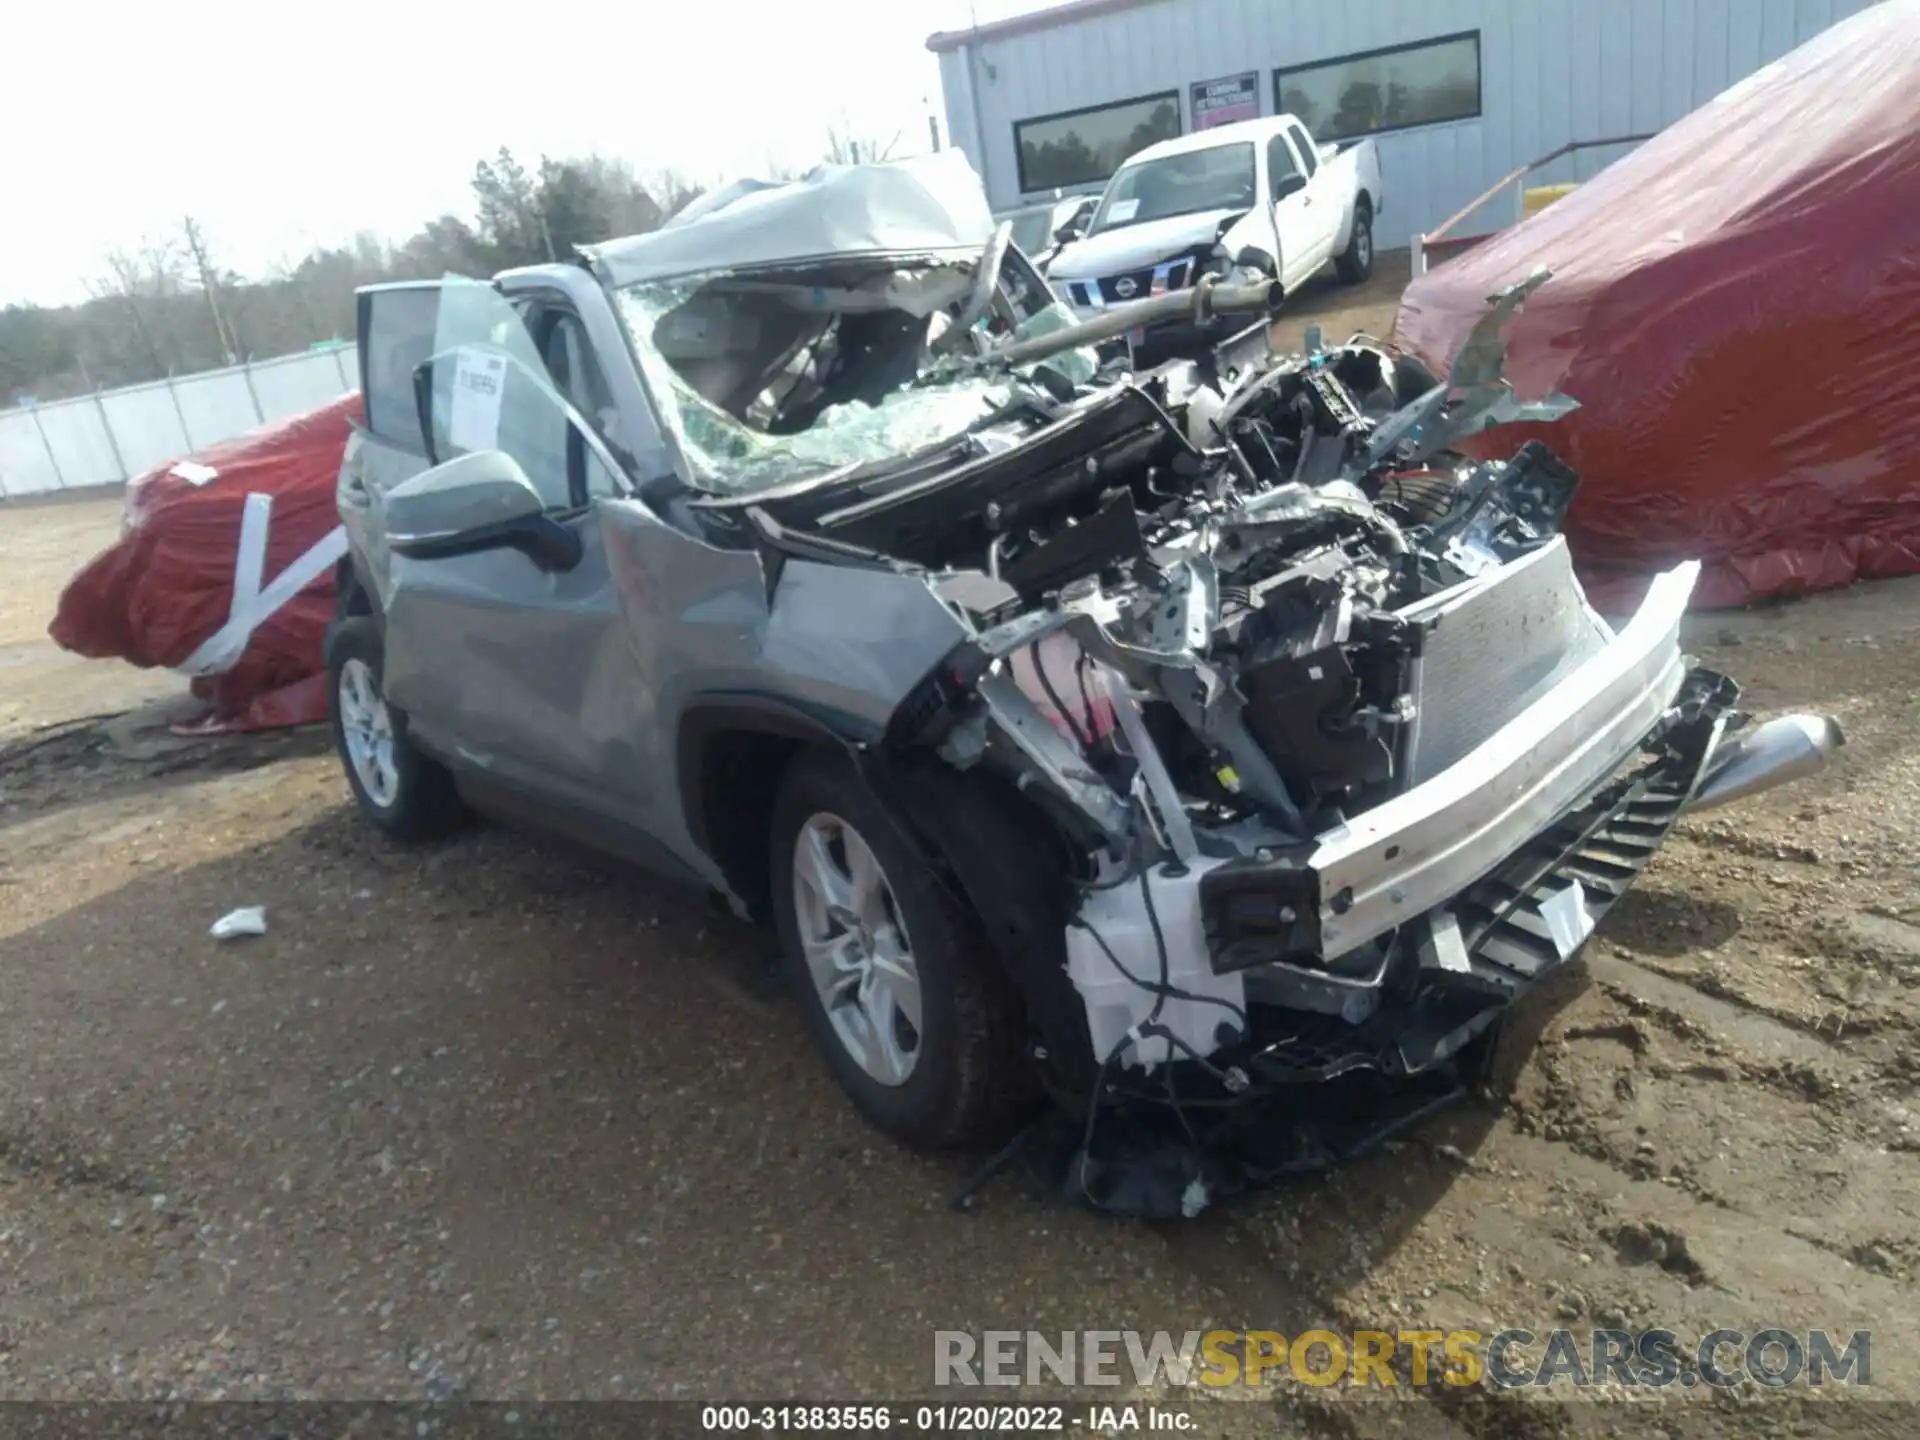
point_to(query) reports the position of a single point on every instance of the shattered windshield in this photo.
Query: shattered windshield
(774, 377)
(1186, 184)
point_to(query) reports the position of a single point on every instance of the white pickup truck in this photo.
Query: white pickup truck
(1257, 196)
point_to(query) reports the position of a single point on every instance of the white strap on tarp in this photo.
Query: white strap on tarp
(193, 472)
(253, 606)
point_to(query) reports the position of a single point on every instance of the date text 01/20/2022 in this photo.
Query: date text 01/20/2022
(944, 1419)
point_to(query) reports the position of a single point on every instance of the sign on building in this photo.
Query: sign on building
(1221, 102)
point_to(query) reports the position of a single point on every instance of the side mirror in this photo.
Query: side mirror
(1291, 185)
(480, 501)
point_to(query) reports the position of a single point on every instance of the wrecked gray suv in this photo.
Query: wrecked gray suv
(1178, 745)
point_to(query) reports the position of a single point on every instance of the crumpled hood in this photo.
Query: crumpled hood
(1133, 247)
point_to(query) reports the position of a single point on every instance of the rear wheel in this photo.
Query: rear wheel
(397, 787)
(919, 1027)
(1356, 261)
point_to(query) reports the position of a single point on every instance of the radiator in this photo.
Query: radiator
(1498, 643)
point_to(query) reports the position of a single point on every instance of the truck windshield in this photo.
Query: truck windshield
(1220, 178)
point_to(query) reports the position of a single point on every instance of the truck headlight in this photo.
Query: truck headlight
(1222, 266)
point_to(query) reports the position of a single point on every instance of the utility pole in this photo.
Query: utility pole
(197, 246)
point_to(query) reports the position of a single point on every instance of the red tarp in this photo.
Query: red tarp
(1736, 307)
(166, 586)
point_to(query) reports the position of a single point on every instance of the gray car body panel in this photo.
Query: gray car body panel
(569, 690)
(572, 687)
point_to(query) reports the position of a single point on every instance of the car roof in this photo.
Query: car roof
(927, 205)
(1240, 131)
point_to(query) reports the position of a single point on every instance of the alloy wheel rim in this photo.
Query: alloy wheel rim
(857, 949)
(367, 728)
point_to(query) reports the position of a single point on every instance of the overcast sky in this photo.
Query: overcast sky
(284, 128)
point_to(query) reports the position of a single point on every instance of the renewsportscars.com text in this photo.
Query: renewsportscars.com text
(1510, 1358)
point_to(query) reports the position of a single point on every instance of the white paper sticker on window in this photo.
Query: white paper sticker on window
(1122, 210)
(474, 420)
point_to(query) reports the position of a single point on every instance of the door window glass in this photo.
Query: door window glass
(1280, 165)
(491, 391)
(396, 330)
(576, 374)
(1309, 152)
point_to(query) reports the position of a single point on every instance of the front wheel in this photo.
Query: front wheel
(399, 789)
(1356, 261)
(916, 1021)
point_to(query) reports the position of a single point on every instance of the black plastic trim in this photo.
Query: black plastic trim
(541, 538)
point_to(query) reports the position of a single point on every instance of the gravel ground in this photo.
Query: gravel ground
(489, 1120)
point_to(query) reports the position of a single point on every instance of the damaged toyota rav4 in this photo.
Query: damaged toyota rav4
(1212, 750)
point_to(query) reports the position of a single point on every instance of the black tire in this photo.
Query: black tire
(1356, 261)
(969, 1081)
(423, 802)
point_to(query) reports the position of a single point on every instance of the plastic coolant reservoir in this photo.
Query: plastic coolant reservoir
(1116, 1003)
(1089, 708)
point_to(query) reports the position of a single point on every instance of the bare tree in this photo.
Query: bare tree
(169, 305)
(286, 275)
(203, 266)
(131, 283)
(774, 168)
(846, 148)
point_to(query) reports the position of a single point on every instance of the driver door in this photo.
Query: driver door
(1325, 208)
(515, 669)
(1295, 222)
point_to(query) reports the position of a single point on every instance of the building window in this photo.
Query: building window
(1081, 147)
(1426, 83)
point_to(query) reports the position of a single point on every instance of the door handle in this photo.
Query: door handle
(353, 491)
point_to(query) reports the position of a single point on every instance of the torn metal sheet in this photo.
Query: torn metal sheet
(928, 206)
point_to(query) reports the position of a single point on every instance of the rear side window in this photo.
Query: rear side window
(1309, 153)
(396, 334)
(1281, 165)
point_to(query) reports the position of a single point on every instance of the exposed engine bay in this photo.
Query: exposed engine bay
(1335, 757)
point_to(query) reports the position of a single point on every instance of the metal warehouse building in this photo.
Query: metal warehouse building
(1458, 93)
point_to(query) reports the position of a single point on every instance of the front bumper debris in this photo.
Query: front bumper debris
(1412, 853)
(1308, 1091)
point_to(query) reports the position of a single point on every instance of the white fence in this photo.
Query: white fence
(113, 435)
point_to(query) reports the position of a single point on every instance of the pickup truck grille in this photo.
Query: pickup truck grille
(1132, 284)
(1138, 284)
